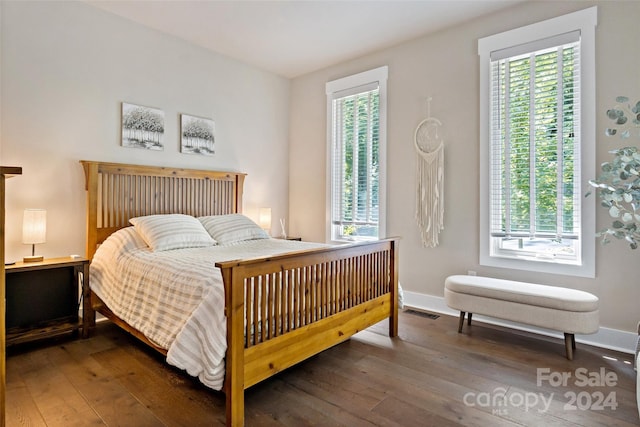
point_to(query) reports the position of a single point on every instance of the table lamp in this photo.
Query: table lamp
(34, 230)
(264, 219)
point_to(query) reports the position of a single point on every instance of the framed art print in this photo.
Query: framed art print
(196, 135)
(142, 127)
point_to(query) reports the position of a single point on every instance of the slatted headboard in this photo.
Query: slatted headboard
(117, 192)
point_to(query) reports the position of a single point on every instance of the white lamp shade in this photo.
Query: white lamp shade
(34, 226)
(264, 218)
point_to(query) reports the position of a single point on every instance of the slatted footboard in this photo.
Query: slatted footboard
(284, 309)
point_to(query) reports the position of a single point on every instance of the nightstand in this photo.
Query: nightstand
(299, 239)
(43, 298)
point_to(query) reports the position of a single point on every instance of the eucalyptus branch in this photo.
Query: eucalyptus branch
(618, 186)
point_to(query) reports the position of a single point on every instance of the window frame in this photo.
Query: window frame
(351, 84)
(584, 21)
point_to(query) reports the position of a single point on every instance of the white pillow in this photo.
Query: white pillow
(172, 231)
(232, 228)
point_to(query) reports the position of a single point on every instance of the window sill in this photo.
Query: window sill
(539, 266)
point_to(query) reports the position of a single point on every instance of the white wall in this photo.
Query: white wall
(66, 68)
(445, 66)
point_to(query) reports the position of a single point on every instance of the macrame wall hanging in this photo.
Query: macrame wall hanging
(430, 179)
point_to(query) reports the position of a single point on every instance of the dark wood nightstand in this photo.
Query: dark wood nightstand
(43, 298)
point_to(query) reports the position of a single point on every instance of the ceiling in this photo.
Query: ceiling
(292, 38)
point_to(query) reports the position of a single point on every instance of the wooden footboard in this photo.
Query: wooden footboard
(283, 309)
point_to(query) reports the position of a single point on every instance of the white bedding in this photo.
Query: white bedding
(176, 297)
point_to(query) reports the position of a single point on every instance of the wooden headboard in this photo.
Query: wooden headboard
(117, 192)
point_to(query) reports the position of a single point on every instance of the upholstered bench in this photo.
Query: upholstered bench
(567, 310)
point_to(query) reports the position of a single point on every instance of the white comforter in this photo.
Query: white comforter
(175, 298)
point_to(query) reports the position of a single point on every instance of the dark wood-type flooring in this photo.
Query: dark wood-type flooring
(429, 375)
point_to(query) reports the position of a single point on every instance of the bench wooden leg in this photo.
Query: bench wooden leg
(469, 319)
(569, 344)
(462, 313)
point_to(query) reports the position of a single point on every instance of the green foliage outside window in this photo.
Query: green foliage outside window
(553, 131)
(359, 132)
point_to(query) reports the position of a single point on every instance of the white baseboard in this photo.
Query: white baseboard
(612, 339)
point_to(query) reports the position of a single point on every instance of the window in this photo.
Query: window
(356, 140)
(538, 146)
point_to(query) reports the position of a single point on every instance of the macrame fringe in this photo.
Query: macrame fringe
(430, 194)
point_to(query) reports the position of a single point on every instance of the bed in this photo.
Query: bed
(278, 309)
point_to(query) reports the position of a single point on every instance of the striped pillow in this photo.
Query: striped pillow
(232, 228)
(172, 231)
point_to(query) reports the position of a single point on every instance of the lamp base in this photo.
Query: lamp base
(33, 258)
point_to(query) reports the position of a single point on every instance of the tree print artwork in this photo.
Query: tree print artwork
(197, 135)
(142, 127)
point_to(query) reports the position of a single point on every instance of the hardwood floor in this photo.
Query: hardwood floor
(429, 376)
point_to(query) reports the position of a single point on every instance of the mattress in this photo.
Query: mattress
(175, 297)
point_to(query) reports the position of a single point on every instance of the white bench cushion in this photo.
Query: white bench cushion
(525, 293)
(561, 309)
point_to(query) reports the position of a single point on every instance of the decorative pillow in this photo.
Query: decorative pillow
(172, 231)
(232, 228)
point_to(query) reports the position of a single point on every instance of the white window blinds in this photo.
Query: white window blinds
(535, 139)
(355, 162)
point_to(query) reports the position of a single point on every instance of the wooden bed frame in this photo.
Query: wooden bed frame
(281, 309)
